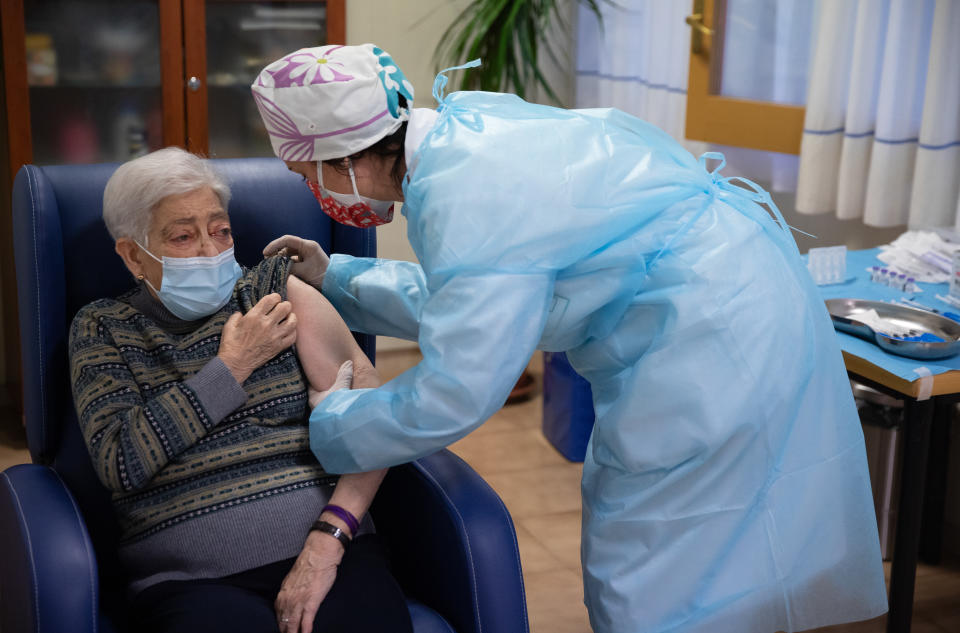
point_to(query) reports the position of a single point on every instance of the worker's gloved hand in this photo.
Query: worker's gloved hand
(344, 380)
(310, 260)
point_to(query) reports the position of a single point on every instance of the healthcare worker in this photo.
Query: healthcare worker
(725, 487)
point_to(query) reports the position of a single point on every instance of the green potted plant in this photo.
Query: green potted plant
(508, 35)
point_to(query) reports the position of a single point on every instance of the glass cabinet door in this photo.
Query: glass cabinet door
(747, 81)
(765, 47)
(242, 38)
(93, 71)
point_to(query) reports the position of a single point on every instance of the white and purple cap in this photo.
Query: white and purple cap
(331, 101)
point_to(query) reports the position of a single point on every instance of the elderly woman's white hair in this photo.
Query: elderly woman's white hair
(138, 186)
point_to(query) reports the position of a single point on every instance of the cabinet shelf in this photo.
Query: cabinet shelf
(94, 87)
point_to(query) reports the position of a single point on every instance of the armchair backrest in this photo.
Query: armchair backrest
(65, 258)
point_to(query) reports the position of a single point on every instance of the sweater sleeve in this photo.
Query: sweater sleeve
(131, 437)
(267, 277)
(216, 388)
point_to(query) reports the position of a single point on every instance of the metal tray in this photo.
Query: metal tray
(924, 322)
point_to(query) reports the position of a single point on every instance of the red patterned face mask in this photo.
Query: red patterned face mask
(359, 211)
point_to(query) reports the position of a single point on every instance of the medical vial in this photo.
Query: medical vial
(827, 265)
(955, 277)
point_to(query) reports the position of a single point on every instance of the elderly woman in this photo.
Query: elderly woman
(193, 403)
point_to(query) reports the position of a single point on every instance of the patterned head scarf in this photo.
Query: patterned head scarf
(331, 101)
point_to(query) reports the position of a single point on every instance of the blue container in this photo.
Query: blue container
(567, 407)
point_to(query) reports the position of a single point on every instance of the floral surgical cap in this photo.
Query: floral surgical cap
(331, 101)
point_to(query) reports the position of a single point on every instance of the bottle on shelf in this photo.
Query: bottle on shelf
(41, 60)
(129, 134)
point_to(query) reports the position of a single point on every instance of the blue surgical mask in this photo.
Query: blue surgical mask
(195, 287)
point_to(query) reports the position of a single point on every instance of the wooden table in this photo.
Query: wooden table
(925, 431)
(927, 413)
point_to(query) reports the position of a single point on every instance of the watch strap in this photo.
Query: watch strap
(331, 529)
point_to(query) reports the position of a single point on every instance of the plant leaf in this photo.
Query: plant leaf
(507, 35)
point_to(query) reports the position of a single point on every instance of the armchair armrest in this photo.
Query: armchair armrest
(452, 544)
(48, 579)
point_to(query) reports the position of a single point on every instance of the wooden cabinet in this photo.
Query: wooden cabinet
(90, 81)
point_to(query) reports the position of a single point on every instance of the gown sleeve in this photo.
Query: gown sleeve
(377, 296)
(477, 333)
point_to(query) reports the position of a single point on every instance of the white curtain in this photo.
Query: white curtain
(638, 62)
(882, 130)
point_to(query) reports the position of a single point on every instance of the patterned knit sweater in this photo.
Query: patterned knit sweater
(208, 477)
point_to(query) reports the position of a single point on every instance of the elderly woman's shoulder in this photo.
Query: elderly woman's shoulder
(94, 312)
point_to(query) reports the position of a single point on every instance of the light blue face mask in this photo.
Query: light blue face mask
(196, 287)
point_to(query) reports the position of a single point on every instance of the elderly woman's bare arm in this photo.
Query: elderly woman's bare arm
(324, 343)
(323, 340)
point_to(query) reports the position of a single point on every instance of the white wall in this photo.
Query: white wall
(409, 30)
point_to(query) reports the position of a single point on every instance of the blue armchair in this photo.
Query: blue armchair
(451, 540)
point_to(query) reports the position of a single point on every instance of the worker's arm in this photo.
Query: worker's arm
(477, 333)
(377, 296)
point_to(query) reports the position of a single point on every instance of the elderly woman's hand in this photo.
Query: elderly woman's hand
(308, 583)
(250, 340)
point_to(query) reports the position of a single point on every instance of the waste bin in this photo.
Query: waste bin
(567, 407)
(881, 416)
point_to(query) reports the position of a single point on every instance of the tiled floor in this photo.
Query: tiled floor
(542, 491)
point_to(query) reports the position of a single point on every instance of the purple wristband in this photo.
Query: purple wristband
(344, 515)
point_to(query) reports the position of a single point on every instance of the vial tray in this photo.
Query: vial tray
(902, 317)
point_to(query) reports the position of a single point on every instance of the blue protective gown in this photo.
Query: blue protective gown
(725, 487)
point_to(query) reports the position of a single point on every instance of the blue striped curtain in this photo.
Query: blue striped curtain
(882, 129)
(637, 62)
